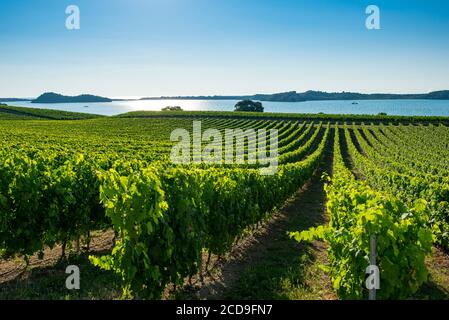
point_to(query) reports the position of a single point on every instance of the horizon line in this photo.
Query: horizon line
(138, 97)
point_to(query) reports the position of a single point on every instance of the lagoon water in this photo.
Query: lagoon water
(390, 107)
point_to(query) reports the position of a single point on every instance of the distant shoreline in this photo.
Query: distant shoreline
(291, 96)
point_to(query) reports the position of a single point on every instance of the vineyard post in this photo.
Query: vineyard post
(372, 259)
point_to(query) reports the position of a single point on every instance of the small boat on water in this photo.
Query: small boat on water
(355, 103)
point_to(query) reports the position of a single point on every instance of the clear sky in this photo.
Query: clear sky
(195, 47)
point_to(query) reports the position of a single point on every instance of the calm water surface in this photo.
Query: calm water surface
(391, 107)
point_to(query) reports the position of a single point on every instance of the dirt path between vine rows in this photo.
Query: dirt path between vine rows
(12, 269)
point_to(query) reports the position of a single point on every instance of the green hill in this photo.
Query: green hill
(51, 97)
(21, 113)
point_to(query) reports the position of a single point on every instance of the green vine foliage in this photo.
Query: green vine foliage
(167, 216)
(357, 212)
(136, 206)
(391, 170)
(46, 199)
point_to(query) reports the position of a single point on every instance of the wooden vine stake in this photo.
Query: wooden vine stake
(372, 260)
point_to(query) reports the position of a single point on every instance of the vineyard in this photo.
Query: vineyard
(67, 178)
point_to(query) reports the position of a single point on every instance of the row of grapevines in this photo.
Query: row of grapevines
(405, 181)
(50, 197)
(429, 160)
(358, 212)
(166, 216)
(45, 200)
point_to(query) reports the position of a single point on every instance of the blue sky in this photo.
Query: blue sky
(193, 47)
